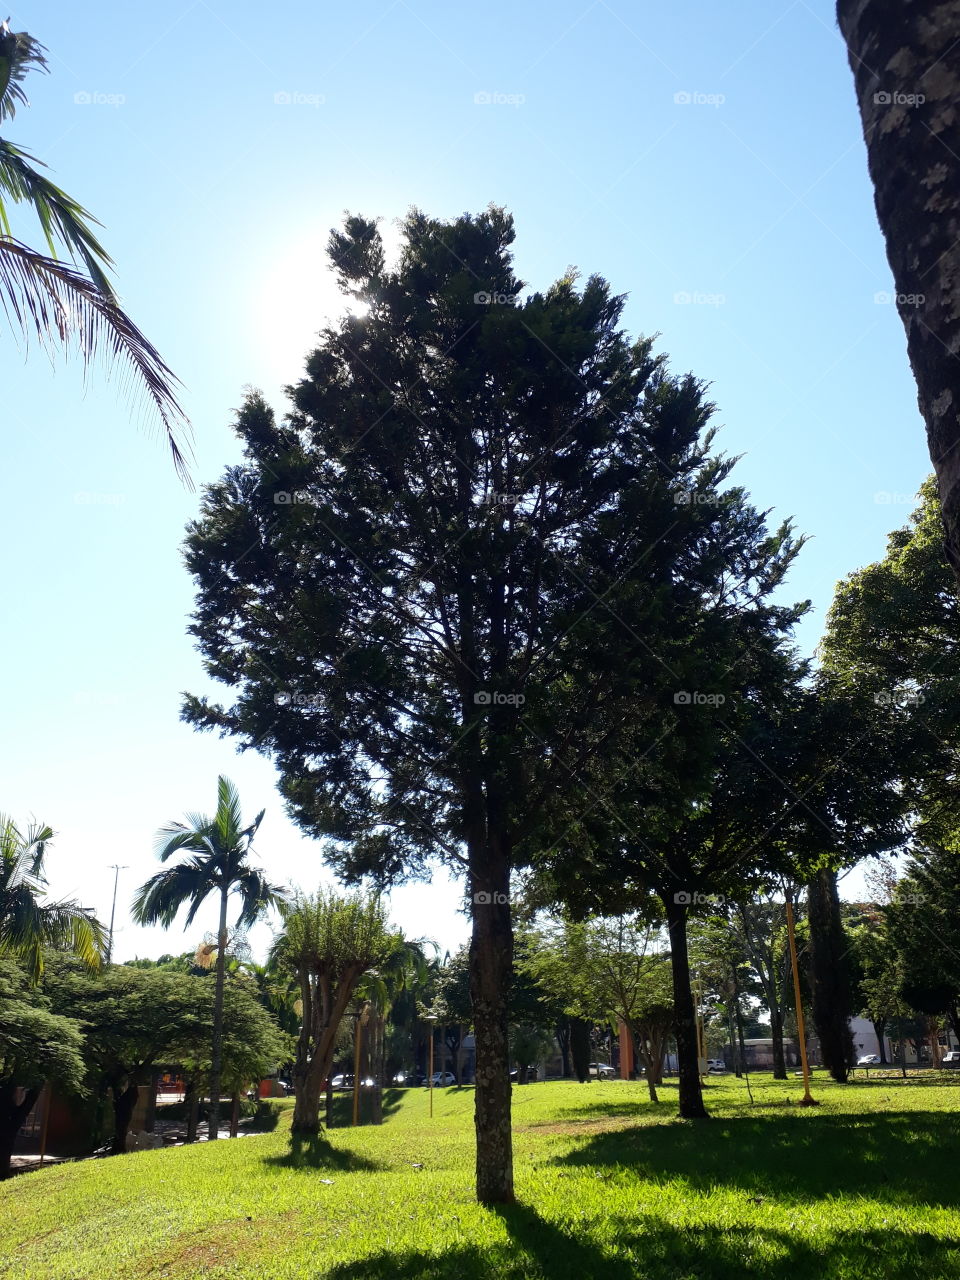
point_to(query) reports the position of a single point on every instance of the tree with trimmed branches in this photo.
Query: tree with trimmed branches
(219, 862)
(329, 942)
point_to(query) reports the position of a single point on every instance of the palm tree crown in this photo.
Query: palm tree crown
(29, 926)
(219, 849)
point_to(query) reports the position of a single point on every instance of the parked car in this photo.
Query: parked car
(951, 1060)
(869, 1060)
(443, 1079)
(342, 1082)
(716, 1066)
(602, 1070)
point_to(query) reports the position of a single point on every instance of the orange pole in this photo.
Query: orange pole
(807, 1100)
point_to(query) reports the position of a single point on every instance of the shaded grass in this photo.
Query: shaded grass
(866, 1186)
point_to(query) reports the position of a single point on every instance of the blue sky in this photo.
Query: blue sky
(706, 159)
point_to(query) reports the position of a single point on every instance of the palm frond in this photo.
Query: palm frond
(19, 53)
(63, 220)
(48, 299)
(159, 899)
(229, 819)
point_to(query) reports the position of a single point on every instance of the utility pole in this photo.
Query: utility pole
(113, 910)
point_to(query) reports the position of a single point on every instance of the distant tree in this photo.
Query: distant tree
(30, 926)
(37, 1047)
(329, 942)
(221, 848)
(905, 59)
(42, 295)
(529, 1045)
(133, 1021)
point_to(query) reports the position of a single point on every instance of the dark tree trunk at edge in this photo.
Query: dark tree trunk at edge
(905, 58)
(12, 1116)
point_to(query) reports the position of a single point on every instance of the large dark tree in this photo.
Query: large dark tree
(905, 57)
(464, 559)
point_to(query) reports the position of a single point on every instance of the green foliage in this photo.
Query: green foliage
(36, 1044)
(29, 926)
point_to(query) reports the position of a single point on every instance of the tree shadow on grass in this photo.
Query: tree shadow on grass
(900, 1156)
(310, 1153)
(540, 1250)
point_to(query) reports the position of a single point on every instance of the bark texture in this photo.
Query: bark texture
(688, 1056)
(905, 57)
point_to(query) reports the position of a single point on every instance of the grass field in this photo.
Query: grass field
(867, 1185)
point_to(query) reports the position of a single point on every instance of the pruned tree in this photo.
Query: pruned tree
(329, 942)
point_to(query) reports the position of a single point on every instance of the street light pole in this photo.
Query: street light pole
(432, 1020)
(113, 910)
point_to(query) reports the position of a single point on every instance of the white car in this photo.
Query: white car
(869, 1060)
(716, 1066)
(951, 1060)
(442, 1079)
(602, 1070)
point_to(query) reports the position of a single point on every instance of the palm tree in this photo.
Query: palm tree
(220, 849)
(906, 67)
(29, 926)
(48, 298)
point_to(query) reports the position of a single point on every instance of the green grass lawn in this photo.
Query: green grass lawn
(867, 1185)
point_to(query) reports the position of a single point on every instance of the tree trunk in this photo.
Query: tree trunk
(831, 992)
(191, 1097)
(879, 1027)
(491, 971)
(306, 1108)
(216, 1064)
(562, 1032)
(646, 1057)
(580, 1048)
(124, 1101)
(734, 1047)
(12, 1116)
(776, 1034)
(688, 1056)
(905, 57)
